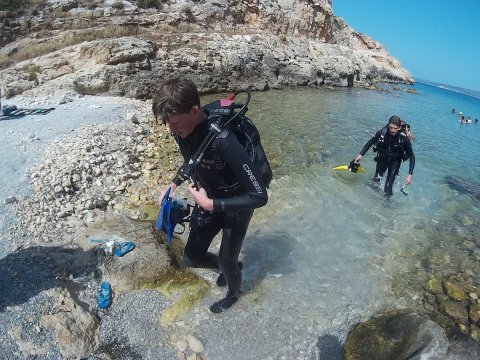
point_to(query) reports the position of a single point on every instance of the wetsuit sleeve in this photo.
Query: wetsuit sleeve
(370, 142)
(409, 152)
(246, 173)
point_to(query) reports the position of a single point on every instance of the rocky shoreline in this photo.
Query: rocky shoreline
(90, 180)
(96, 170)
(100, 182)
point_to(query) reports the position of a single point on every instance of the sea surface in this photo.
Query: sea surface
(329, 249)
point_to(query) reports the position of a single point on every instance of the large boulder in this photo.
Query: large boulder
(397, 335)
(147, 263)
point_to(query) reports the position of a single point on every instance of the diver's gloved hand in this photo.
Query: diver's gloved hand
(353, 166)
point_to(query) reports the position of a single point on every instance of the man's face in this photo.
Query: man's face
(183, 124)
(393, 129)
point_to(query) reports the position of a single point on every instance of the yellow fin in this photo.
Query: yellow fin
(346, 167)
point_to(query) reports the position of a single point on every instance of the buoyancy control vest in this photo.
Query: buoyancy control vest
(224, 115)
(245, 131)
(386, 150)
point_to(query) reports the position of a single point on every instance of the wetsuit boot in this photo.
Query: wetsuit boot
(225, 303)
(221, 281)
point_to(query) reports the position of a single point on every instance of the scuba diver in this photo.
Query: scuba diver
(405, 129)
(392, 146)
(226, 184)
(409, 133)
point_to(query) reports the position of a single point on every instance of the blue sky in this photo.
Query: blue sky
(436, 40)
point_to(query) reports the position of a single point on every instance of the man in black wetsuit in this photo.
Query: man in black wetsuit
(393, 147)
(226, 186)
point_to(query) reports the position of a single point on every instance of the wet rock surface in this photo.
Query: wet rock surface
(404, 336)
(407, 335)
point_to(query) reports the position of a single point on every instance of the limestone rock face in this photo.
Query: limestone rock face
(221, 44)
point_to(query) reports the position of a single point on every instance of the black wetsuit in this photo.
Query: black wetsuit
(230, 178)
(391, 151)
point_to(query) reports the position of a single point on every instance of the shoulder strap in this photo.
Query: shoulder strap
(384, 132)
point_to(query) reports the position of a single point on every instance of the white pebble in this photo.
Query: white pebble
(182, 345)
(195, 344)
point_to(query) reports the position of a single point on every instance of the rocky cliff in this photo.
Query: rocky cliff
(125, 48)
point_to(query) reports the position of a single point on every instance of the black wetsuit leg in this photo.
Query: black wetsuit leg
(380, 168)
(204, 227)
(232, 240)
(393, 168)
(234, 232)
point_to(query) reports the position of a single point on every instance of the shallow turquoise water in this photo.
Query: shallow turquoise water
(329, 250)
(306, 132)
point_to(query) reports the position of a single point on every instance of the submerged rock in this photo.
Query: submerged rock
(464, 186)
(434, 286)
(455, 310)
(463, 349)
(397, 335)
(454, 291)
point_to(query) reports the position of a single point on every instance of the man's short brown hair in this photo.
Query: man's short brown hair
(395, 120)
(175, 96)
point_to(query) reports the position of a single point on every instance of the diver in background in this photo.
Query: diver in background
(393, 147)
